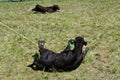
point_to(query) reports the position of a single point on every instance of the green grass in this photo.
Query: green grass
(97, 20)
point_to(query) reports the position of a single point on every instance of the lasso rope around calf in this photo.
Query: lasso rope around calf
(17, 33)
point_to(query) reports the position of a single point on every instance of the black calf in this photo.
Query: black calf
(67, 60)
(50, 9)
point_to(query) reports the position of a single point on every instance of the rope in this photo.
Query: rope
(17, 33)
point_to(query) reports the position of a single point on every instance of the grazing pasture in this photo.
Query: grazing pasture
(97, 20)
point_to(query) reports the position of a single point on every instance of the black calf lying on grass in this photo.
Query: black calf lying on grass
(67, 60)
(50, 9)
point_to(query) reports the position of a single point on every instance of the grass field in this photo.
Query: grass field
(97, 20)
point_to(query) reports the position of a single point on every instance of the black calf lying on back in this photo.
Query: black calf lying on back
(67, 60)
(50, 9)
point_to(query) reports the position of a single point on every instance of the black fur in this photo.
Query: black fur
(67, 60)
(50, 9)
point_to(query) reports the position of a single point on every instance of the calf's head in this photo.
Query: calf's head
(80, 39)
(56, 7)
